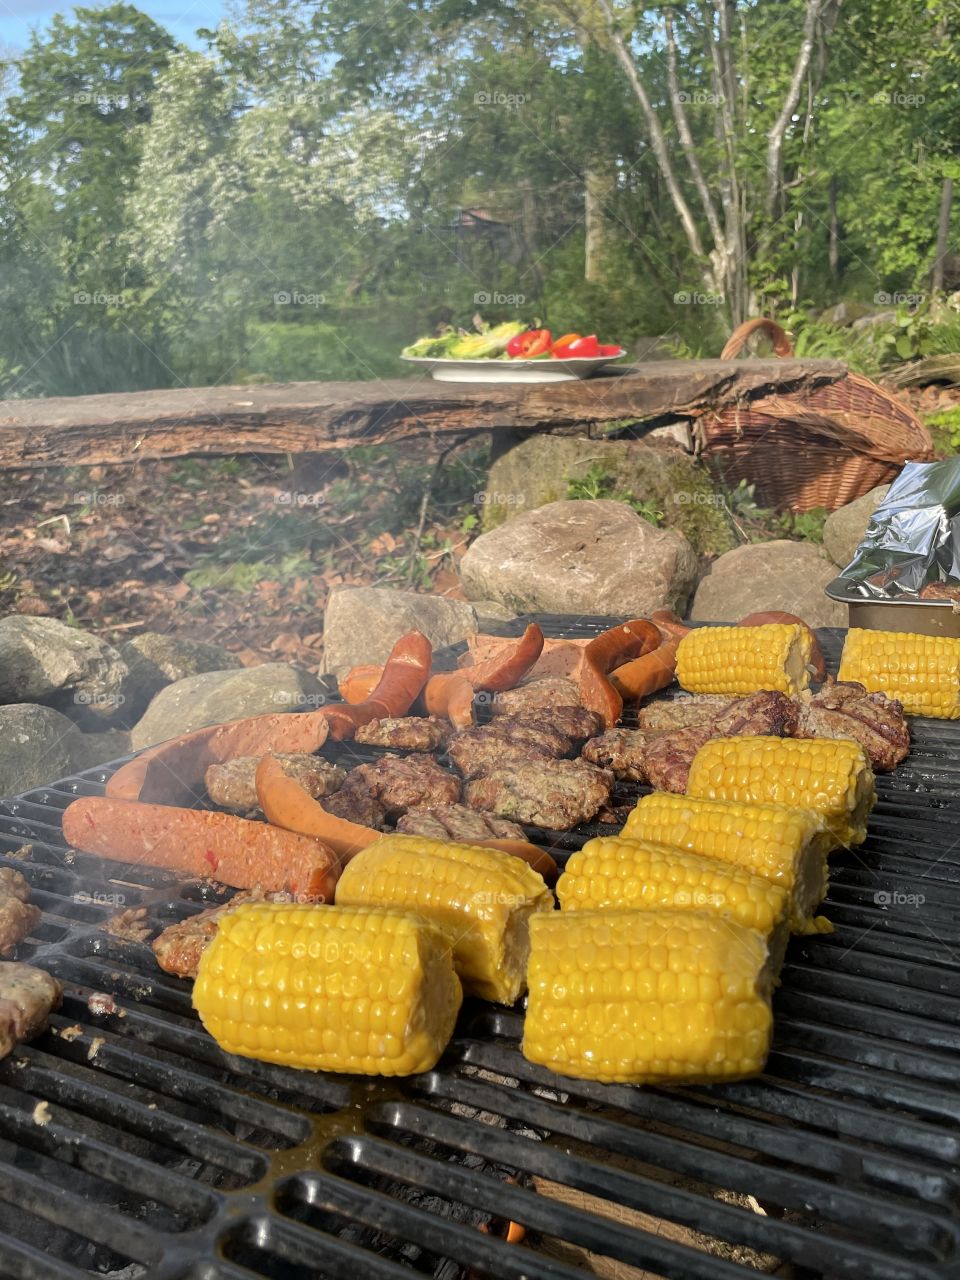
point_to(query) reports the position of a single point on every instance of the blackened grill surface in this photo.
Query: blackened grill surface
(159, 1156)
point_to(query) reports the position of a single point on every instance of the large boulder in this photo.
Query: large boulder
(37, 745)
(362, 624)
(845, 527)
(785, 576)
(214, 697)
(541, 468)
(155, 660)
(581, 556)
(44, 660)
(101, 747)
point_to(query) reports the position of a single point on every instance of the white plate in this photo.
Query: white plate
(513, 370)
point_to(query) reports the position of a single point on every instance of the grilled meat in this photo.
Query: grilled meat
(940, 591)
(17, 916)
(535, 696)
(27, 998)
(231, 785)
(509, 739)
(846, 710)
(399, 783)
(179, 948)
(545, 793)
(575, 723)
(405, 733)
(622, 750)
(668, 758)
(356, 803)
(457, 822)
(667, 714)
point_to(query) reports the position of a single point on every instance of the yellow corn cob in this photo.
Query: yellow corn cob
(784, 845)
(333, 989)
(482, 898)
(923, 672)
(738, 660)
(621, 873)
(641, 997)
(831, 776)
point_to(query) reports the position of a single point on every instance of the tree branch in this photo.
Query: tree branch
(684, 134)
(778, 130)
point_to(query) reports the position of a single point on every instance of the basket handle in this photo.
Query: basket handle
(738, 339)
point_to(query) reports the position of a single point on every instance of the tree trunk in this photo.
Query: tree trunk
(599, 186)
(943, 235)
(834, 249)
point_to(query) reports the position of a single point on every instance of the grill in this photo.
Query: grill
(158, 1155)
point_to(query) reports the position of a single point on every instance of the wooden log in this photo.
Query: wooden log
(309, 417)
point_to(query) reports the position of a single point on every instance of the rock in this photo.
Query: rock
(541, 468)
(871, 322)
(784, 576)
(44, 660)
(37, 745)
(583, 556)
(846, 313)
(845, 527)
(362, 624)
(154, 661)
(215, 697)
(101, 747)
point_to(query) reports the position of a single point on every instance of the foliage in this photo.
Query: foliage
(597, 482)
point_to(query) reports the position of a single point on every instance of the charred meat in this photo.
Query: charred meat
(396, 784)
(17, 916)
(457, 822)
(231, 785)
(27, 998)
(537, 695)
(179, 948)
(846, 710)
(510, 739)
(622, 750)
(405, 733)
(544, 793)
(575, 723)
(667, 714)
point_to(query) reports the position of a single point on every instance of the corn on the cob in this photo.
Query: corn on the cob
(642, 997)
(329, 988)
(738, 660)
(482, 898)
(831, 776)
(785, 845)
(922, 672)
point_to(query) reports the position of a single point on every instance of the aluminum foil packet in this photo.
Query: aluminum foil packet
(913, 537)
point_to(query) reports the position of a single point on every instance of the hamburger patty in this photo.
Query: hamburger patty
(231, 785)
(544, 793)
(408, 733)
(27, 998)
(457, 822)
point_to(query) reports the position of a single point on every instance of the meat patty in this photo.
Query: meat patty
(457, 822)
(27, 998)
(409, 733)
(667, 714)
(17, 916)
(179, 948)
(668, 757)
(510, 739)
(846, 710)
(537, 695)
(544, 793)
(355, 803)
(940, 591)
(575, 723)
(232, 785)
(622, 750)
(399, 783)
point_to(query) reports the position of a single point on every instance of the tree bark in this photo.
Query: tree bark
(777, 132)
(598, 187)
(834, 233)
(943, 235)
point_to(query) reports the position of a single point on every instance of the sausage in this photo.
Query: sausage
(669, 624)
(200, 844)
(817, 660)
(359, 682)
(506, 669)
(449, 694)
(602, 655)
(645, 675)
(405, 673)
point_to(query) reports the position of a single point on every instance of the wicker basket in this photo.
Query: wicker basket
(818, 448)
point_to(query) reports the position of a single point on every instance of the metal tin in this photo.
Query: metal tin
(920, 617)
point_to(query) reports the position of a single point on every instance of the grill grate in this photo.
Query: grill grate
(157, 1155)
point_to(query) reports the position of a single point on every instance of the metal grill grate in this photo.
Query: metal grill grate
(160, 1156)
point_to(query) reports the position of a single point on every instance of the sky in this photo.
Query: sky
(180, 17)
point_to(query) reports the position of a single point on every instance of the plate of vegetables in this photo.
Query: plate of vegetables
(509, 352)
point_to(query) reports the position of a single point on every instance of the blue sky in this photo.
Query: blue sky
(180, 17)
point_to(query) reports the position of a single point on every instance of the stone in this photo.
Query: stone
(845, 527)
(362, 624)
(44, 660)
(588, 556)
(155, 660)
(37, 745)
(101, 747)
(668, 481)
(214, 697)
(788, 577)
